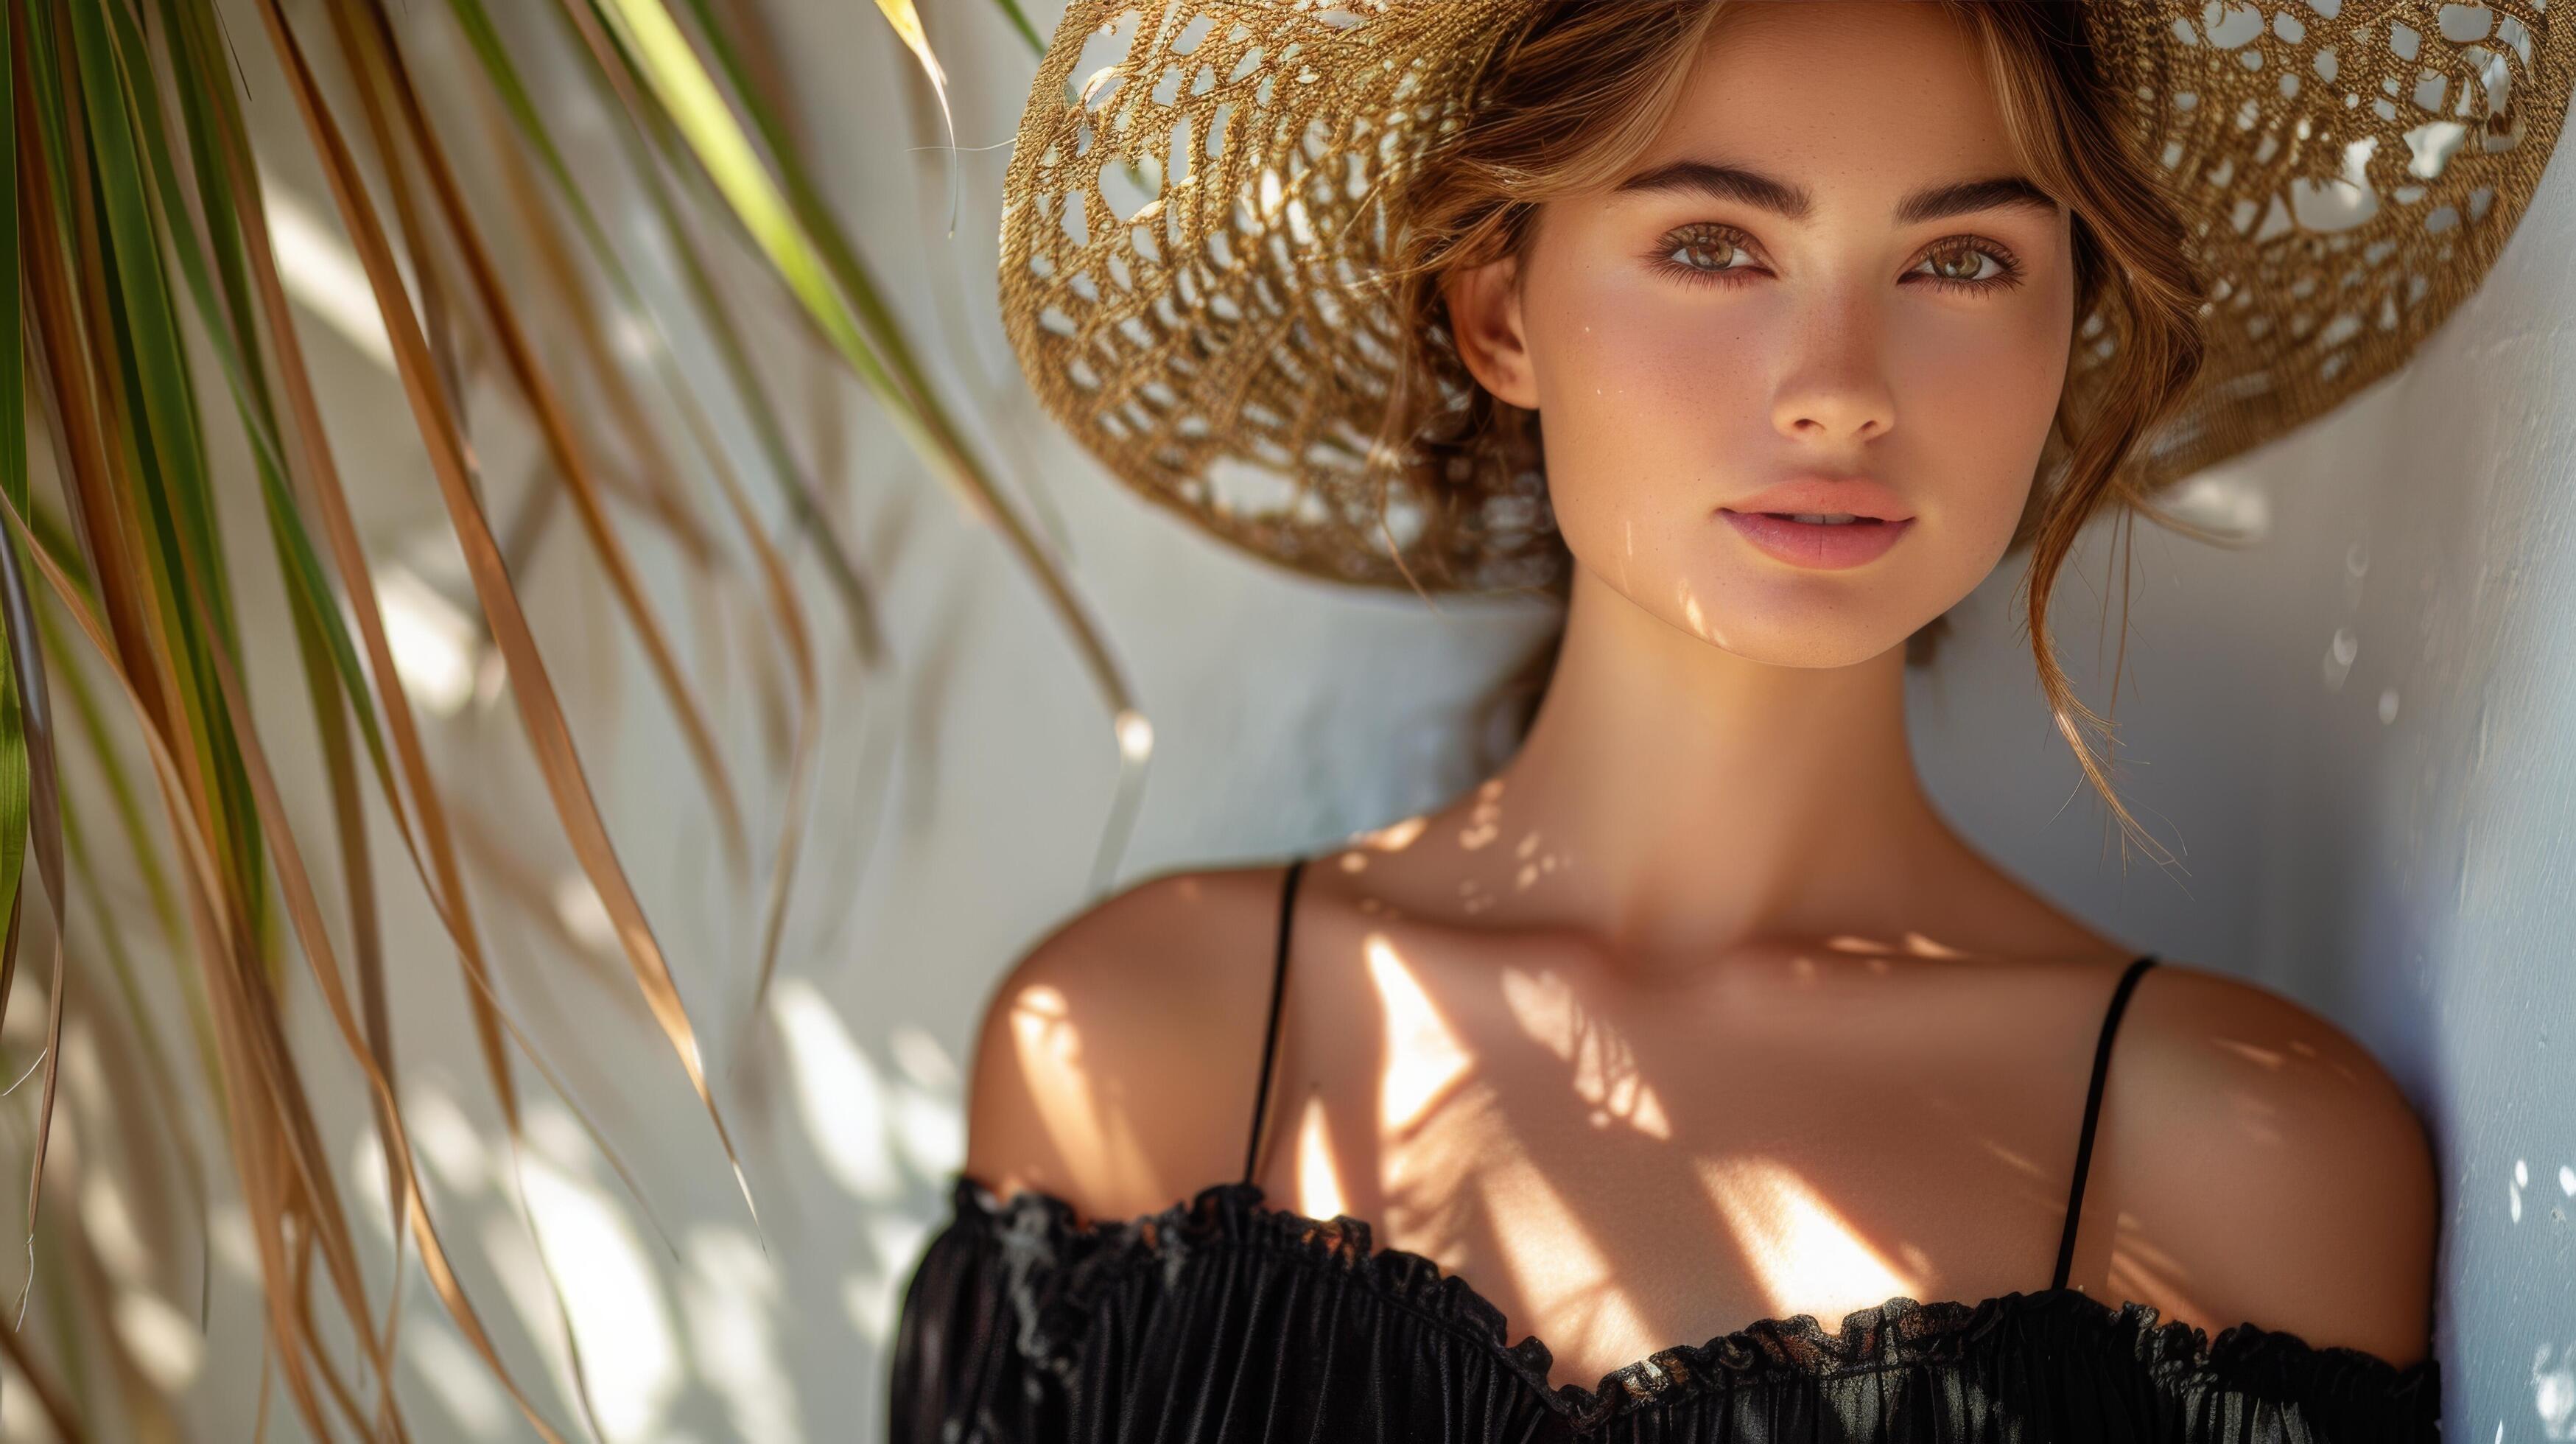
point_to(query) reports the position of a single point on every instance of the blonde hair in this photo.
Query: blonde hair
(1570, 100)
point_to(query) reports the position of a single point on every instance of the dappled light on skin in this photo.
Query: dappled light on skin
(1100, 1146)
(1919, 946)
(1697, 619)
(1850, 943)
(2010, 1159)
(1319, 1183)
(1425, 1058)
(1394, 837)
(2252, 1113)
(2140, 1270)
(1914, 945)
(1800, 1248)
(1569, 1282)
(2046, 1190)
(1603, 1067)
(1873, 954)
(1534, 864)
(1485, 819)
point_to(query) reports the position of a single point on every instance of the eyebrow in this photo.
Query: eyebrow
(1753, 188)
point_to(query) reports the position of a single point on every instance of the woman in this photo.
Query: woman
(1696, 1012)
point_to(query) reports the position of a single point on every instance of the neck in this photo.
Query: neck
(1693, 799)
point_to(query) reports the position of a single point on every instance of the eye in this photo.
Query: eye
(1708, 253)
(1704, 253)
(1968, 264)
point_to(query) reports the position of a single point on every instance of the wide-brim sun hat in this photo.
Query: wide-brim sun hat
(1203, 193)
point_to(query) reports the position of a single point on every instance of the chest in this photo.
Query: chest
(1620, 1162)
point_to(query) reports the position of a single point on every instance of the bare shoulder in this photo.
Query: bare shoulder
(1116, 1061)
(2265, 1168)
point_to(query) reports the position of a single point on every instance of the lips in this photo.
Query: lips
(1823, 522)
(1810, 496)
(1821, 544)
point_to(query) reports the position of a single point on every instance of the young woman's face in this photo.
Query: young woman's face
(1825, 288)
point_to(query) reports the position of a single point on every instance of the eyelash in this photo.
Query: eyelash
(2009, 275)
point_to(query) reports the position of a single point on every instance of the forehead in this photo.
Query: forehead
(1848, 97)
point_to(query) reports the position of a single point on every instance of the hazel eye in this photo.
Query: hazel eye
(1706, 251)
(1971, 265)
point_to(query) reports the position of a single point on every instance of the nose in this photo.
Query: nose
(1834, 387)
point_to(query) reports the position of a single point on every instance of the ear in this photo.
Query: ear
(1485, 321)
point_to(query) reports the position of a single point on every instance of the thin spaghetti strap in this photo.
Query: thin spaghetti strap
(1270, 1031)
(2092, 1111)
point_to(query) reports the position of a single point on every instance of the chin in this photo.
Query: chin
(1806, 642)
(1812, 622)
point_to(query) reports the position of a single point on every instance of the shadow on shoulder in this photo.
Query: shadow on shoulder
(2266, 1168)
(1116, 1062)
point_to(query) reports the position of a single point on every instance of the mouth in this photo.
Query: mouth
(1825, 541)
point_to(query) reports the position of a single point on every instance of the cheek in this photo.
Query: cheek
(1976, 401)
(1651, 416)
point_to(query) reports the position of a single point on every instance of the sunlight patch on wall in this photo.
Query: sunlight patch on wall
(164, 1342)
(730, 1296)
(318, 269)
(610, 1292)
(432, 640)
(839, 1094)
(455, 1376)
(441, 1134)
(872, 1294)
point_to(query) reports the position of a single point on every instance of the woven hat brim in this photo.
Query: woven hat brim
(1203, 191)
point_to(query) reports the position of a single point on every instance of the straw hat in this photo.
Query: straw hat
(1212, 327)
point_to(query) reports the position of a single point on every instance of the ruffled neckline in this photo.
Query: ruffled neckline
(1081, 1260)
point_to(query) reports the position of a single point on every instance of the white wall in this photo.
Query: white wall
(2403, 874)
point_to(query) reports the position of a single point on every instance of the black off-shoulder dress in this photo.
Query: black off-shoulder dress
(1224, 1320)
